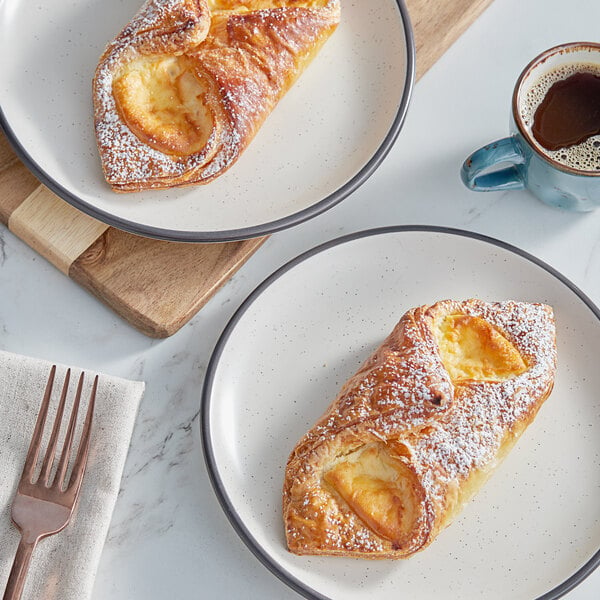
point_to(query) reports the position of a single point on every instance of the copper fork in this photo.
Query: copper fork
(44, 507)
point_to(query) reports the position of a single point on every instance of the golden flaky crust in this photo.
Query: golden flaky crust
(223, 64)
(405, 445)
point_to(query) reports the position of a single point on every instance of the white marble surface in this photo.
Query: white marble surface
(169, 537)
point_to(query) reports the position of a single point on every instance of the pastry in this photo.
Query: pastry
(419, 428)
(183, 89)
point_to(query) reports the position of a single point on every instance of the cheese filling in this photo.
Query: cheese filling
(472, 349)
(380, 489)
(166, 104)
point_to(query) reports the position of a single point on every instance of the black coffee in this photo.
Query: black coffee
(569, 114)
(561, 110)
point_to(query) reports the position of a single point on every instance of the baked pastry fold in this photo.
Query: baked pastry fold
(419, 428)
(185, 86)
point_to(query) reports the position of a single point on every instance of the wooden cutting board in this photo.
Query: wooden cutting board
(158, 286)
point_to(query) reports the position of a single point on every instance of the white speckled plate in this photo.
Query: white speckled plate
(324, 139)
(532, 532)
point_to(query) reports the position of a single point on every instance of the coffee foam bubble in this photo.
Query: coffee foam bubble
(584, 156)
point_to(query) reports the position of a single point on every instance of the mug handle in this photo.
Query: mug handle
(509, 178)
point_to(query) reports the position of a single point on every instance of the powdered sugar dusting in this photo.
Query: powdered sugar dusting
(470, 432)
(127, 160)
(248, 78)
(403, 394)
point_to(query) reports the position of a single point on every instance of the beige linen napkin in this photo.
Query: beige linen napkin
(63, 565)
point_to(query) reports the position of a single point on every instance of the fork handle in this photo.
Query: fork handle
(16, 579)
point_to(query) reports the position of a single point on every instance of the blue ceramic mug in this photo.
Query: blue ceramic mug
(564, 178)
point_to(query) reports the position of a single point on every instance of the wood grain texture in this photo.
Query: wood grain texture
(437, 24)
(155, 285)
(158, 286)
(16, 182)
(53, 228)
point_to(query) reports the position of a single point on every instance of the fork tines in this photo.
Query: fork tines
(65, 455)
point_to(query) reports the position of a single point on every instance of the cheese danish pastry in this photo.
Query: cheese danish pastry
(183, 89)
(419, 428)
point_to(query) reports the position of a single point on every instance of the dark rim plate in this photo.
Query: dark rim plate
(220, 235)
(208, 436)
